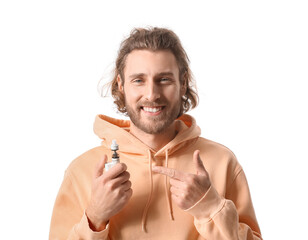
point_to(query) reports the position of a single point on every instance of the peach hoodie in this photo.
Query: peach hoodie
(224, 212)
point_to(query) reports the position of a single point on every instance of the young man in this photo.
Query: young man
(171, 183)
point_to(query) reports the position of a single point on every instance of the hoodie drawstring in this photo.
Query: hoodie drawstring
(147, 206)
(145, 211)
(166, 190)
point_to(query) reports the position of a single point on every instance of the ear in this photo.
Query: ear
(120, 85)
(184, 85)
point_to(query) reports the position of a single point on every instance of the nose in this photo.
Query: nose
(152, 91)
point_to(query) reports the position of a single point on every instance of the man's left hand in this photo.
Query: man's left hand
(186, 188)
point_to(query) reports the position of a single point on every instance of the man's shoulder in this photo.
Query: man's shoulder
(87, 161)
(211, 145)
(216, 151)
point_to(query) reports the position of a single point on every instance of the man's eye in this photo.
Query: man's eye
(137, 81)
(164, 79)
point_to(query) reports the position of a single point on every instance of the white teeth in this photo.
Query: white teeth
(152, 109)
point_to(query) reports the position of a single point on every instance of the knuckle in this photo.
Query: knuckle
(185, 195)
(123, 167)
(194, 178)
(186, 187)
(117, 192)
(190, 179)
(128, 194)
(181, 204)
(174, 198)
(190, 189)
(109, 186)
(126, 175)
(104, 180)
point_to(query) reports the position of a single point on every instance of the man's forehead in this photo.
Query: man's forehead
(161, 62)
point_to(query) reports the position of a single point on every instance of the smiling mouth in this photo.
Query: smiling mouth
(152, 109)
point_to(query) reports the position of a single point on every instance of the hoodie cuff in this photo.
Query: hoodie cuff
(85, 232)
(208, 206)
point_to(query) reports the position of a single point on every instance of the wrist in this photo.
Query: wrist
(95, 223)
(208, 205)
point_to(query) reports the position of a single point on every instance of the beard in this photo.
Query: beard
(154, 124)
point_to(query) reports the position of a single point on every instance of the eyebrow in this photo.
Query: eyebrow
(166, 74)
(136, 75)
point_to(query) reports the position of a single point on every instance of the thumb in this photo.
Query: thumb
(199, 164)
(100, 167)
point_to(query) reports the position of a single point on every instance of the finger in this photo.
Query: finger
(177, 183)
(199, 164)
(99, 169)
(177, 200)
(176, 191)
(127, 185)
(116, 170)
(129, 193)
(170, 172)
(122, 178)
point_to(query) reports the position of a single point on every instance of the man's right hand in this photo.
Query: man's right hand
(111, 191)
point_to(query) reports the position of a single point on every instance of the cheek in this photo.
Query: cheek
(172, 93)
(131, 94)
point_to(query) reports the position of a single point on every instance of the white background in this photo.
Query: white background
(250, 61)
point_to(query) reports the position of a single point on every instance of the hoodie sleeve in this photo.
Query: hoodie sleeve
(232, 218)
(69, 221)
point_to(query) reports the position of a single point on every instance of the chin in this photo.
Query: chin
(154, 127)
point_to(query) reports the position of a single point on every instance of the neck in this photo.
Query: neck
(154, 141)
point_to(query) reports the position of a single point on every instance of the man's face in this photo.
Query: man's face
(152, 89)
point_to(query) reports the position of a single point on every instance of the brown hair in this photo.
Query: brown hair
(155, 39)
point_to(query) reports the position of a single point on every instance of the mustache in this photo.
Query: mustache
(151, 104)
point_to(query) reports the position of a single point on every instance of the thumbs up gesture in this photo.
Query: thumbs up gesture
(186, 188)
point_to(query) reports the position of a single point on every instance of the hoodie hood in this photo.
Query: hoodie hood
(107, 129)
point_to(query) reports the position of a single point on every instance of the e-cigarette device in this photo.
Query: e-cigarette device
(115, 156)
